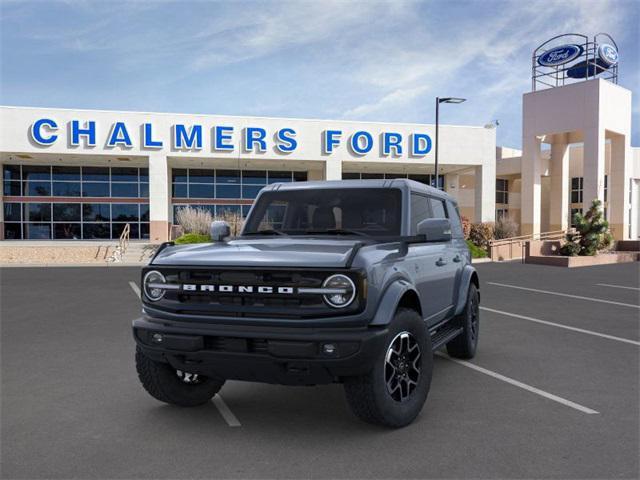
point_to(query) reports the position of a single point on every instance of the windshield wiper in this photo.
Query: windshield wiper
(336, 231)
(268, 231)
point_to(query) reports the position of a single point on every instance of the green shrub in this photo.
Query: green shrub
(481, 234)
(476, 251)
(591, 235)
(192, 238)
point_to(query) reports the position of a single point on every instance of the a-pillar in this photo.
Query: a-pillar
(485, 192)
(593, 167)
(531, 186)
(159, 198)
(618, 188)
(332, 169)
(559, 207)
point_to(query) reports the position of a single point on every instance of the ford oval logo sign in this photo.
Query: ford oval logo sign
(560, 55)
(608, 54)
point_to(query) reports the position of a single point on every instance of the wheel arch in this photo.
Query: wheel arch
(400, 293)
(469, 276)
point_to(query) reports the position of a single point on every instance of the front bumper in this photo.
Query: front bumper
(282, 355)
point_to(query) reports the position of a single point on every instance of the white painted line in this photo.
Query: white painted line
(135, 288)
(226, 413)
(617, 286)
(566, 327)
(579, 297)
(524, 386)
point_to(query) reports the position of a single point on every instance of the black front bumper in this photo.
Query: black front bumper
(282, 355)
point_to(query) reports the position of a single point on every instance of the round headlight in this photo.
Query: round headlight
(150, 283)
(342, 293)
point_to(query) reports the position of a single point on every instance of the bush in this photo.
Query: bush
(481, 234)
(194, 220)
(192, 238)
(505, 227)
(466, 227)
(476, 251)
(591, 233)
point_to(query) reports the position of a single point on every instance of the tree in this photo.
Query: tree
(591, 235)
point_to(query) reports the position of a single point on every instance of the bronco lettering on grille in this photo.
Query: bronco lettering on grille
(191, 287)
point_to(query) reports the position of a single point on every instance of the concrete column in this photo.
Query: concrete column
(559, 195)
(593, 167)
(485, 192)
(333, 169)
(618, 188)
(159, 197)
(531, 186)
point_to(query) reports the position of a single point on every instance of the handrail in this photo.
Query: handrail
(530, 237)
(123, 244)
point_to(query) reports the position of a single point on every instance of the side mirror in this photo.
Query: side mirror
(435, 229)
(220, 230)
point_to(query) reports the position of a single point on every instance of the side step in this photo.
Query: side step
(443, 335)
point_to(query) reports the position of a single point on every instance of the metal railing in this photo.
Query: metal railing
(123, 244)
(514, 247)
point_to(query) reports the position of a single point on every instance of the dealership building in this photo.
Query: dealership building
(85, 174)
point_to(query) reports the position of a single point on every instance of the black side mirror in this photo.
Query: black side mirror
(435, 229)
(220, 230)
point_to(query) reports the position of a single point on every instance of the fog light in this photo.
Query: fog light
(157, 338)
(329, 348)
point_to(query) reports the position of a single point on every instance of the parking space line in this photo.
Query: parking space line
(566, 327)
(226, 413)
(579, 297)
(617, 286)
(135, 288)
(524, 386)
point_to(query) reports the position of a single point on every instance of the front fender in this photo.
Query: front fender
(388, 304)
(469, 275)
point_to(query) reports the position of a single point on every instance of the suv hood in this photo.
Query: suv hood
(262, 252)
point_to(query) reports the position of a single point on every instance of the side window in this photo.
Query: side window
(438, 208)
(456, 223)
(419, 211)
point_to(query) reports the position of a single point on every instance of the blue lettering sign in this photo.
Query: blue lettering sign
(89, 131)
(37, 134)
(286, 140)
(420, 144)
(222, 137)
(186, 139)
(357, 146)
(147, 137)
(331, 139)
(119, 136)
(391, 140)
(255, 136)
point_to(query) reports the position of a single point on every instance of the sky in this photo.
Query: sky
(344, 60)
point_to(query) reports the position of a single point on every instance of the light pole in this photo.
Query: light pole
(438, 102)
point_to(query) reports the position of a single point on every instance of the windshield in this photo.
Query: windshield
(358, 211)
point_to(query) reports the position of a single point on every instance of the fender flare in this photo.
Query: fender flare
(469, 275)
(388, 304)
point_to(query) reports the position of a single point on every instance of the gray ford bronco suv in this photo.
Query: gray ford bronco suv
(355, 282)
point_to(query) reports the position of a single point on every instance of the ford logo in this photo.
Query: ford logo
(608, 54)
(560, 55)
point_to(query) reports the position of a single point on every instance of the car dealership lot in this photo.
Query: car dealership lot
(547, 401)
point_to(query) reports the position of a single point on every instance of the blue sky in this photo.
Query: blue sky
(368, 60)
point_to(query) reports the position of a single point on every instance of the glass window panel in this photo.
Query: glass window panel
(419, 211)
(12, 189)
(277, 177)
(117, 228)
(255, 177)
(201, 175)
(37, 189)
(66, 212)
(227, 176)
(37, 212)
(179, 190)
(36, 172)
(299, 176)
(11, 172)
(70, 231)
(12, 231)
(66, 189)
(124, 212)
(144, 174)
(179, 175)
(245, 210)
(95, 230)
(575, 183)
(251, 191)
(350, 176)
(124, 174)
(228, 209)
(197, 190)
(144, 230)
(144, 212)
(66, 173)
(96, 212)
(144, 190)
(12, 212)
(372, 175)
(426, 179)
(95, 174)
(124, 190)
(37, 231)
(438, 209)
(95, 189)
(227, 191)
(575, 198)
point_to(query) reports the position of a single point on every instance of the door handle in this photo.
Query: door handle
(457, 259)
(441, 262)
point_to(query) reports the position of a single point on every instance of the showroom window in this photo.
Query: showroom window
(426, 179)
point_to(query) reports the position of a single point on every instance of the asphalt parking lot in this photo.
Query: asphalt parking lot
(552, 393)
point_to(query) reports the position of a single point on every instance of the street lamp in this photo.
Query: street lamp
(438, 102)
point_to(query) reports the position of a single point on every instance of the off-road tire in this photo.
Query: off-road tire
(465, 344)
(368, 395)
(163, 383)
